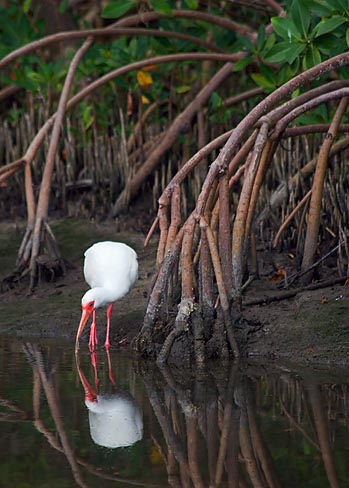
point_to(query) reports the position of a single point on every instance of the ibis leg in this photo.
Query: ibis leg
(93, 333)
(111, 375)
(94, 364)
(90, 393)
(109, 312)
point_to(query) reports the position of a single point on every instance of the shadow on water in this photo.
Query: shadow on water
(105, 420)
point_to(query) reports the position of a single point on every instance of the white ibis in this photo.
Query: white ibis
(111, 270)
(115, 418)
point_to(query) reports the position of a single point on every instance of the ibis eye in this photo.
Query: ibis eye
(90, 305)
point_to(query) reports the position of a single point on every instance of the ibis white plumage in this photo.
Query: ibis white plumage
(111, 270)
(115, 420)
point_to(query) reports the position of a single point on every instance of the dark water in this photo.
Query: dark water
(112, 422)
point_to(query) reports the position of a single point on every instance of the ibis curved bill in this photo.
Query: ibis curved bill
(111, 270)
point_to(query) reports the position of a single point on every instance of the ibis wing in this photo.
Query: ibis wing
(111, 265)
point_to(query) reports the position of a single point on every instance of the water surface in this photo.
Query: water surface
(109, 421)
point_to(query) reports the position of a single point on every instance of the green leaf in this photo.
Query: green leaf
(117, 8)
(87, 116)
(242, 63)
(244, 44)
(285, 52)
(328, 44)
(262, 81)
(301, 15)
(307, 449)
(26, 6)
(329, 25)
(341, 5)
(63, 6)
(183, 89)
(133, 47)
(161, 6)
(288, 71)
(321, 9)
(193, 4)
(36, 77)
(216, 100)
(269, 43)
(312, 57)
(296, 93)
(268, 73)
(260, 38)
(286, 29)
(347, 36)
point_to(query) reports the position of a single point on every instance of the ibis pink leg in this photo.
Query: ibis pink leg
(111, 375)
(94, 364)
(93, 333)
(90, 393)
(109, 312)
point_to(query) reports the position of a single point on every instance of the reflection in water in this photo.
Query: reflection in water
(222, 427)
(115, 419)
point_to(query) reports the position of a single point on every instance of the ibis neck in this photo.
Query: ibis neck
(103, 296)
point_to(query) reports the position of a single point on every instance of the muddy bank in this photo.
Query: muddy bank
(312, 327)
(53, 310)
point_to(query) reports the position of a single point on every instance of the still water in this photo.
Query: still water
(109, 421)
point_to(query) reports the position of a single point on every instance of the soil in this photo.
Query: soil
(53, 309)
(311, 328)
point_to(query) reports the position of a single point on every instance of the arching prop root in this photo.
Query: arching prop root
(203, 265)
(37, 262)
(198, 330)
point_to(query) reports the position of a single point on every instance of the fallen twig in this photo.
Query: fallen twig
(284, 295)
(291, 279)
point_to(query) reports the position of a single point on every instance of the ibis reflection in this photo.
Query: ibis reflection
(115, 419)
